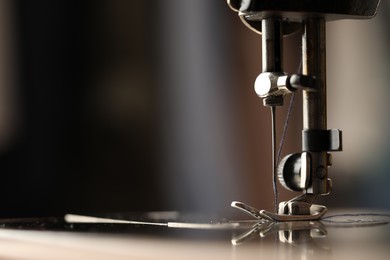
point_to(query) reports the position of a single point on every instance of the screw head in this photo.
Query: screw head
(321, 172)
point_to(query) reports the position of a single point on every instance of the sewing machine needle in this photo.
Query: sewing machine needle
(274, 155)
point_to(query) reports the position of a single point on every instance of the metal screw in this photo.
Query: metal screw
(321, 172)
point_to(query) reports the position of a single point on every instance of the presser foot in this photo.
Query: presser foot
(315, 212)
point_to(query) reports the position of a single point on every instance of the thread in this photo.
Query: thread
(276, 158)
(285, 126)
(357, 219)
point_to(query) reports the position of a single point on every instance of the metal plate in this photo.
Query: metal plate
(170, 235)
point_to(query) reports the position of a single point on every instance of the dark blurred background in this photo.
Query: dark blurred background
(112, 106)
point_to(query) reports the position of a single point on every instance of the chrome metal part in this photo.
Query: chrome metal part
(279, 84)
(251, 211)
(288, 232)
(315, 212)
(272, 84)
(272, 45)
(306, 171)
(314, 103)
(294, 171)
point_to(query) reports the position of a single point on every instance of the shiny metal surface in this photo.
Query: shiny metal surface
(296, 209)
(309, 173)
(272, 45)
(294, 171)
(340, 235)
(314, 103)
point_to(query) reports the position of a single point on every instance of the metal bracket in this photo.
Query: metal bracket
(314, 140)
(316, 212)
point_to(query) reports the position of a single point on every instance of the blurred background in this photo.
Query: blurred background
(112, 106)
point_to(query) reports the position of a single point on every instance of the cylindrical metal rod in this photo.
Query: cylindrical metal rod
(274, 157)
(314, 64)
(272, 61)
(272, 45)
(314, 102)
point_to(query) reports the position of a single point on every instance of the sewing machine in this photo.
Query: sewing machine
(305, 171)
(175, 235)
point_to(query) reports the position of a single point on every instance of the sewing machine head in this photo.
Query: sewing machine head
(306, 171)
